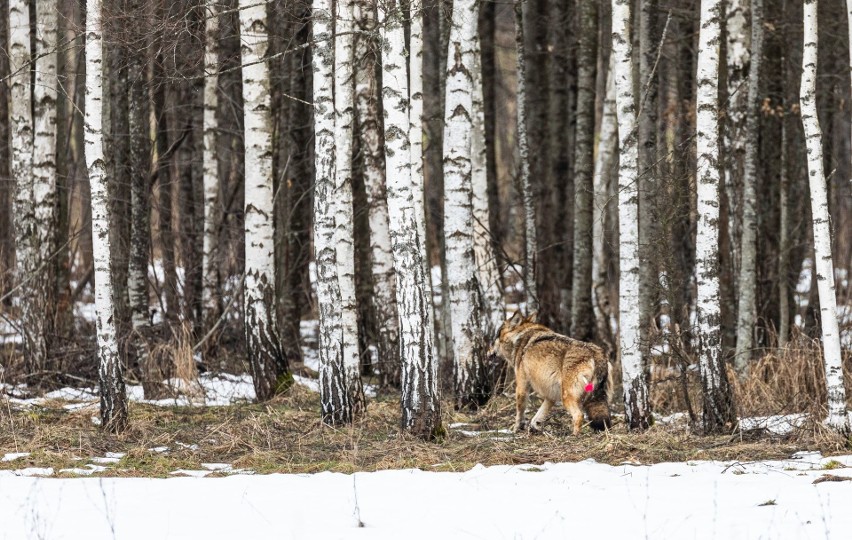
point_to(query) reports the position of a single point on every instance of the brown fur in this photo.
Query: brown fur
(558, 369)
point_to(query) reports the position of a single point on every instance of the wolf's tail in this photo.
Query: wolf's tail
(597, 406)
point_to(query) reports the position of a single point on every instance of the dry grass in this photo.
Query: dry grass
(286, 436)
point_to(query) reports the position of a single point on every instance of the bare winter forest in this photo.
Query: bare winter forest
(300, 236)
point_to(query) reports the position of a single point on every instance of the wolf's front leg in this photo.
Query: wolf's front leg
(541, 415)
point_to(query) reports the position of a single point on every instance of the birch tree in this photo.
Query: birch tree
(344, 111)
(335, 400)
(582, 314)
(269, 367)
(465, 305)
(415, 123)
(421, 407)
(637, 407)
(487, 270)
(210, 282)
(718, 401)
(370, 139)
(530, 247)
(837, 417)
(604, 162)
(113, 398)
(747, 305)
(738, 56)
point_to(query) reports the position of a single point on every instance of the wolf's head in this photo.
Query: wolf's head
(504, 345)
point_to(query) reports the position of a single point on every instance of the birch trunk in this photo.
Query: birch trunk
(270, 369)
(415, 129)
(582, 313)
(605, 161)
(26, 175)
(527, 194)
(637, 407)
(718, 402)
(738, 56)
(336, 404)
(113, 397)
(747, 305)
(784, 232)
(344, 109)
(421, 407)
(837, 416)
(210, 165)
(381, 254)
(465, 305)
(487, 269)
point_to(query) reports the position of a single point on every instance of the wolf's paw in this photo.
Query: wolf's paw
(519, 427)
(535, 429)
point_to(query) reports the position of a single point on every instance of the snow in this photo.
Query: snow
(697, 499)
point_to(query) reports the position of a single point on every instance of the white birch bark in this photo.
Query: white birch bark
(487, 270)
(23, 170)
(336, 407)
(465, 305)
(747, 305)
(604, 163)
(113, 397)
(381, 255)
(344, 109)
(421, 408)
(837, 417)
(210, 169)
(635, 386)
(718, 404)
(415, 126)
(530, 246)
(265, 355)
(738, 57)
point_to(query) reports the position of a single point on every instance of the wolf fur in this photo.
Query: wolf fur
(559, 369)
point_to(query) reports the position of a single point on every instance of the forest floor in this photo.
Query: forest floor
(285, 436)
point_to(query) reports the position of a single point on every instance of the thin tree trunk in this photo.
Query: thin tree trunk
(344, 108)
(471, 382)
(421, 407)
(210, 297)
(487, 270)
(747, 304)
(7, 245)
(335, 400)
(605, 162)
(837, 418)
(719, 409)
(784, 244)
(269, 366)
(582, 313)
(527, 194)
(371, 143)
(113, 398)
(637, 407)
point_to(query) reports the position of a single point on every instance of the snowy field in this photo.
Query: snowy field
(773, 499)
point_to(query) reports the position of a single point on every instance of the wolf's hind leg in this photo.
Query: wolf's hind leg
(541, 415)
(520, 399)
(573, 407)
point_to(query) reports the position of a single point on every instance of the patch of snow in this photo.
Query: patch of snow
(13, 456)
(310, 384)
(159, 449)
(190, 472)
(776, 424)
(34, 471)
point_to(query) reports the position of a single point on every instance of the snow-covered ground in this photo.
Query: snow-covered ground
(773, 499)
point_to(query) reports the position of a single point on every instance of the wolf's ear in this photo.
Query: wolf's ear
(533, 318)
(517, 318)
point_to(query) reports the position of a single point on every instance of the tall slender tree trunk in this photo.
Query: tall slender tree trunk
(7, 247)
(371, 142)
(527, 192)
(648, 171)
(113, 397)
(582, 313)
(344, 109)
(636, 404)
(335, 400)
(210, 297)
(269, 366)
(719, 409)
(421, 406)
(465, 303)
(605, 162)
(784, 224)
(487, 269)
(747, 304)
(837, 418)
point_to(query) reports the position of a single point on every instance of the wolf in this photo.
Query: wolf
(559, 369)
